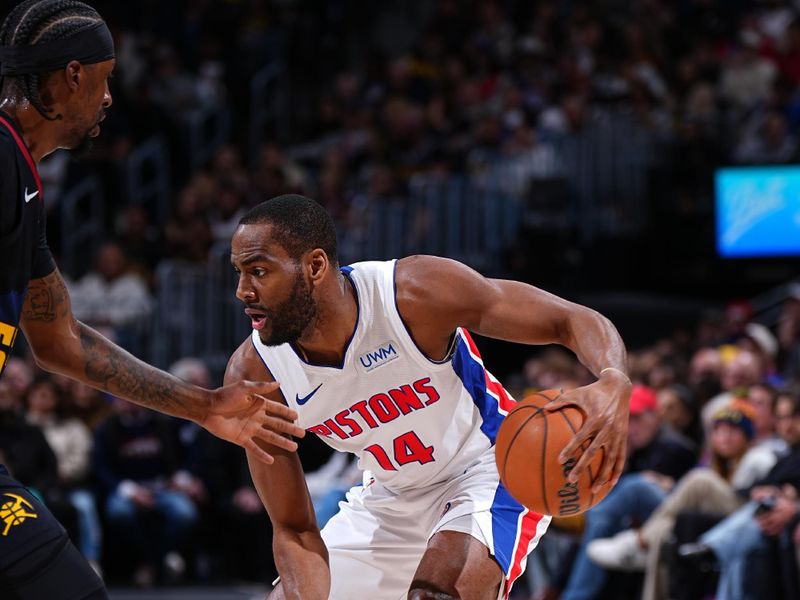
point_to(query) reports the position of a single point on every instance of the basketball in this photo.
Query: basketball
(528, 444)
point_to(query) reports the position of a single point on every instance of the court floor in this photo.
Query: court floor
(190, 593)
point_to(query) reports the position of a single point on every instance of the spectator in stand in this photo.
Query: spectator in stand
(705, 371)
(657, 457)
(787, 53)
(789, 331)
(111, 295)
(227, 168)
(743, 369)
(227, 209)
(24, 447)
(763, 398)
(771, 143)
(89, 405)
(187, 233)
(678, 409)
(759, 339)
(772, 512)
(140, 240)
(29, 458)
(746, 77)
(135, 461)
(243, 535)
(71, 441)
(191, 437)
(736, 463)
(18, 376)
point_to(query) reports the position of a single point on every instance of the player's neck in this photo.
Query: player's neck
(337, 315)
(38, 133)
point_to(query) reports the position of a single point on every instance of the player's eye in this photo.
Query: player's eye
(257, 272)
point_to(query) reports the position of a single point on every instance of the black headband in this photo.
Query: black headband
(88, 46)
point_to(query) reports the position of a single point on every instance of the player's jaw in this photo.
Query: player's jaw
(286, 322)
(81, 137)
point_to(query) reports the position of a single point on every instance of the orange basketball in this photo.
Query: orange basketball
(527, 447)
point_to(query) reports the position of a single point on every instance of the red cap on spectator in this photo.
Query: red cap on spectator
(643, 398)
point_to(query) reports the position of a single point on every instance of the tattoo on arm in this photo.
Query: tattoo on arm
(111, 368)
(48, 321)
(47, 299)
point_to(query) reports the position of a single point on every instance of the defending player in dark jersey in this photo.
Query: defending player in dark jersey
(55, 60)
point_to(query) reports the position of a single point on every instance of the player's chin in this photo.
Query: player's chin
(82, 148)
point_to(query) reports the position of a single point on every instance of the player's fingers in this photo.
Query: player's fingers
(583, 463)
(560, 403)
(583, 434)
(277, 409)
(276, 424)
(619, 466)
(258, 452)
(605, 473)
(618, 458)
(276, 439)
(261, 387)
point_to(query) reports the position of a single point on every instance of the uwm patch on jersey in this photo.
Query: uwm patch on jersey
(382, 355)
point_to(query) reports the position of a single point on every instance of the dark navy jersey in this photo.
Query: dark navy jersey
(23, 245)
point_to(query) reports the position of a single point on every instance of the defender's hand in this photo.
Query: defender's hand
(605, 403)
(241, 413)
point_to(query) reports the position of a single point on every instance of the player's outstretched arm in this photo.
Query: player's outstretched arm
(518, 312)
(239, 413)
(300, 554)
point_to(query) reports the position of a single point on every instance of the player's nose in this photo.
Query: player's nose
(244, 291)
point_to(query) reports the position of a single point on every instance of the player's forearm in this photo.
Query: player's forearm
(93, 359)
(62, 344)
(302, 562)
(596, 342)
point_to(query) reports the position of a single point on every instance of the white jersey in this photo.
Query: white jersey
(411, 421)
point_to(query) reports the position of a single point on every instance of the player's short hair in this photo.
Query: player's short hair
(37, 21)
(300, 224)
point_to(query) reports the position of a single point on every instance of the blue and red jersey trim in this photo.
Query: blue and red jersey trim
(515, 529)
(488, 394)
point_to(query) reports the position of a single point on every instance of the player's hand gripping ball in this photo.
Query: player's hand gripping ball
(528, 444)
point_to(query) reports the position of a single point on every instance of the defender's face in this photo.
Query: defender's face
(88, 108)
(272, 285)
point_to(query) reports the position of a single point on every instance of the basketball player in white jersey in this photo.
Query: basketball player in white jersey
(377, 360)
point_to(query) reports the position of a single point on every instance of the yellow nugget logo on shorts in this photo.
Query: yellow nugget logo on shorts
(12, 512)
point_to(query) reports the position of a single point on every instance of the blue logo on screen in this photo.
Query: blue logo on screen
(758, 211)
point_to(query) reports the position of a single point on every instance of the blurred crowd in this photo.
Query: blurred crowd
(380, 94)
(709, 502)
(377, 96)
(713, 455)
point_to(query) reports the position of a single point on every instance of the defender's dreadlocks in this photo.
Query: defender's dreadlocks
(36, 21)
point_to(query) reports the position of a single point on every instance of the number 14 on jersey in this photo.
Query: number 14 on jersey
(407, 448)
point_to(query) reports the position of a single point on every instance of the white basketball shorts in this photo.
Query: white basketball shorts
(377, 539)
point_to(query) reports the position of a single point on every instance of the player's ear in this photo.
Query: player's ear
(317, 265)
(71, 76)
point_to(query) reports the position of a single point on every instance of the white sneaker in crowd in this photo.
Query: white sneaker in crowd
(619, 553)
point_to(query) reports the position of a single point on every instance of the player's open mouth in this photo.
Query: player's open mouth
(258, 318)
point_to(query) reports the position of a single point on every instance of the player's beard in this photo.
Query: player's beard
(83, 141)
(290, 318)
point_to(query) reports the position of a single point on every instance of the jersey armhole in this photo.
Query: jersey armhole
(420, 356)
(266, 366)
